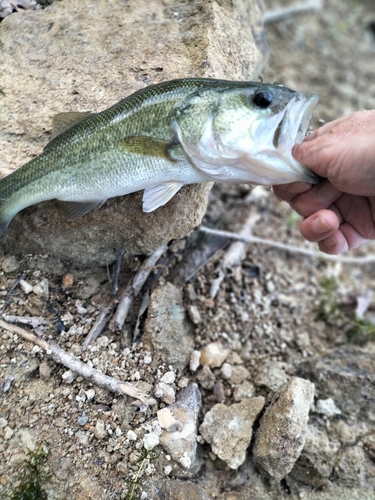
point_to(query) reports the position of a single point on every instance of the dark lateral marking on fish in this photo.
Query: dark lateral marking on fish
(148, 146)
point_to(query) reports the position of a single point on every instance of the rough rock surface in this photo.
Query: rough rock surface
(85, 57)
(168, 333)
(181, 444)
(347, 375)
(281, 434)
(229, 429)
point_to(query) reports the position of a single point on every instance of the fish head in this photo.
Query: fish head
(245, 133)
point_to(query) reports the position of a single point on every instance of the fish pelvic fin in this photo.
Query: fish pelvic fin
(157, 196)
(73, 210)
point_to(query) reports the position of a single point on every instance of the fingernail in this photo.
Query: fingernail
(299, 187)
(320, 226)
(326, 193)
(329, 242)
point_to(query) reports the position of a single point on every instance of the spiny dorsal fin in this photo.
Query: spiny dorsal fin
(76, 209)
(63, 121)
(148, 146)
(157, 196)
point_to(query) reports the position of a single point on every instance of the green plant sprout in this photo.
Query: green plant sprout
(135, 482)
(358, 330)
(33, 478)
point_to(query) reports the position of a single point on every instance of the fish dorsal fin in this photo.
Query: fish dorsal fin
(76, 209)
(157, 196)
(63, 121)
(149, 146)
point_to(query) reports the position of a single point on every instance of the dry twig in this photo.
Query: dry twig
(97, 327)
(290, 248)
(235, 253)
(272, 16)
(34, 321)
(76, 365)
(133, 288)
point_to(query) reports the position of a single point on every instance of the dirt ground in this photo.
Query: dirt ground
(268, 309)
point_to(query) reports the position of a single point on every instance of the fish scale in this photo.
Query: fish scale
(160, 138)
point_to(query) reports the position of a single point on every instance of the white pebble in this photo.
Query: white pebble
(195, 360)
(26, 287)
(90, 394)
(150, 440)
(42, 289)
(131, 435)
(168, 378)
(167, 470)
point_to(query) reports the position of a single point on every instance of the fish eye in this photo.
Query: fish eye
(263, 98)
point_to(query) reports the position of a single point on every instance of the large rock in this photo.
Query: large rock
(282, 429)
(85, 56)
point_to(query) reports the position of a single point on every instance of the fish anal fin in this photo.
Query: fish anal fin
(76, 209)
(157, 196)
(63, 121)
(149, 146)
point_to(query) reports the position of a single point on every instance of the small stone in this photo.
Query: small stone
(82, 437)
(9, 264)
(281, 434)
(327, 407)
(8, 433)
(272, 375)
(194, 314)
(131, 435)
(68, 280)
(226, 371)
(195, 360)
(69, 377)
(150, 440)
(206, 378)
(44, 370)
(122, 467)
(41, 289)
(168, 377)
(147, 360)
(165, 392)
(215, 353)
(167, 470)
(246, 390)
(239, 374)
(229, 429)
(100, 431)
(219, 392)
(90, 394)
(182, 445)
(83, 419)
(26, 287)
(3, 422)
(167, 421)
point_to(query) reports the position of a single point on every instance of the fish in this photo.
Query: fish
(161, 138)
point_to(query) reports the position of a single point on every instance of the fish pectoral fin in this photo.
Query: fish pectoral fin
(76, 209)
(149, 146)
(63, 121)
(157, 196)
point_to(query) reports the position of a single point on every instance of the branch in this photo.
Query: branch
(290, 248)
(76, 365)
(133, 288)
(272, 16)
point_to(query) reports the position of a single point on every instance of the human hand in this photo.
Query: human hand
(339, 211)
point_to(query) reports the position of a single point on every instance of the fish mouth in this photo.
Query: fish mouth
(292, 128)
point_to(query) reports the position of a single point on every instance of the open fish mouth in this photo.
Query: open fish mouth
(294, 123)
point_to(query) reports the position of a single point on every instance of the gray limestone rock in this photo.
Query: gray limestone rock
(174, 489)
(181, 444)
(168, 332)
(86, 56)
(347, 375)
(315, 464)
(281, 434)
(229, 429)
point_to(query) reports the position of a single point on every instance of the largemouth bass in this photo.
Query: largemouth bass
(162, 137)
